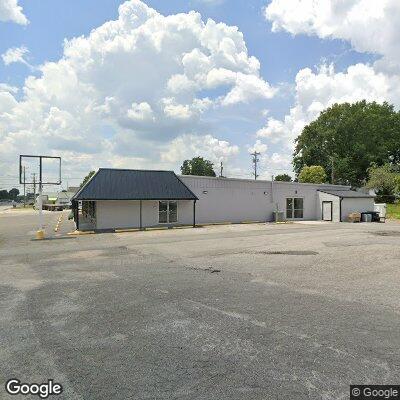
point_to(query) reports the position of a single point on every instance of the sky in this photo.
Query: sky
(148, 84)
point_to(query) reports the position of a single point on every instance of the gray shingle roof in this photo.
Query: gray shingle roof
(347, 193)
(128, 184)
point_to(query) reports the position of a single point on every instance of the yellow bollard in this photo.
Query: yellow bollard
(40, 234)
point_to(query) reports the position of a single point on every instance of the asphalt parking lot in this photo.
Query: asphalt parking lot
(296, 311)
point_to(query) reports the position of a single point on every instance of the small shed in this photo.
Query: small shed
(336, 205)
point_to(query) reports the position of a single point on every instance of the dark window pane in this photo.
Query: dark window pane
(289, 213)
(163, 212)
(289, 203)
(173, 211)
(163, 206)
(298, 203)
(162, 217)
(298, 213)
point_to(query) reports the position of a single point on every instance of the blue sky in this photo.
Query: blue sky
(281, 55)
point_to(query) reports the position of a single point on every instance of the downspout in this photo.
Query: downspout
(340, 210)
(272, 190)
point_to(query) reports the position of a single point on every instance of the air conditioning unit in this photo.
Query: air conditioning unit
(279, 216)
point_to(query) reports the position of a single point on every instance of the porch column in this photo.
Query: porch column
(75, 207)
(140, 216)
(194, 214)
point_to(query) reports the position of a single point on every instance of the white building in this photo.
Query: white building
(119, 199)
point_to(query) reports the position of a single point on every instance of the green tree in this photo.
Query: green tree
(197, 166)
(346, 139)
(312, 174)
(283, 178)
(385, 182)
(13, 193)
(86, 178)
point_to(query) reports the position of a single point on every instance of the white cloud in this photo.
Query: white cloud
(4, 87)
(11, 11)
(140, 112)
(369, 25)
(247, 88)
(258, 146)
(131, 86)
(188, 146)
(176, 111)
(318, 90)
(15, 55)
(275, 164)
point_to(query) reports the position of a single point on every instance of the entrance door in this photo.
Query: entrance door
(294, 208)
(327, 211)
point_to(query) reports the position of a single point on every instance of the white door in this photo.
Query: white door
(327, 211)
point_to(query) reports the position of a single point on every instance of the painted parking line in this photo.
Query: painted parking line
(59, 221)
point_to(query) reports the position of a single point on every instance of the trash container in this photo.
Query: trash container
(366, 217)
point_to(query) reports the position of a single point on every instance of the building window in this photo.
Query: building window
(89, 209)
(294, 208)
(167, 212)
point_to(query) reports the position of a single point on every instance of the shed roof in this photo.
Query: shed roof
(347, 194)
(130, 184)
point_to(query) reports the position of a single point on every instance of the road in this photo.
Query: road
(296, 311)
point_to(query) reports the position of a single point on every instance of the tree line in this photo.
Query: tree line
(12, 194)
(355, 144)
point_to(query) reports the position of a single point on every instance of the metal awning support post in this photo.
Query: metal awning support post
(75, 208)
(140, 215)
(194, 214)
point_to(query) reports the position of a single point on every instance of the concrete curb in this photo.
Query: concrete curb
(165, 228)
(81, 233)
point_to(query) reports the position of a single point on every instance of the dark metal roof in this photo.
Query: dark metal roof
(347, 194)
(128, 184)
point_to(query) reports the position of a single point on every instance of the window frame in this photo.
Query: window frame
(168, 212)
(293, 209)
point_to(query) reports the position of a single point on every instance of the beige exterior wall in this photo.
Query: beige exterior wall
(230, 200)
(117, 214)
(239, 200)
(356, 205)
(126, 214)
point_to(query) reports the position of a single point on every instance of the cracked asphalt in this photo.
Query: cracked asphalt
(296, 311)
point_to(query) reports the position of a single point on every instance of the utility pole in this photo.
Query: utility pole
(34, 187)
(221, 170)
(24, 190)
(255, 162)
(40, 195)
